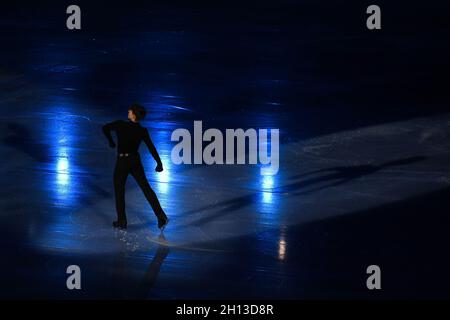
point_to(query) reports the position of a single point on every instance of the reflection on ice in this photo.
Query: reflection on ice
(282, 245)
(267, 184)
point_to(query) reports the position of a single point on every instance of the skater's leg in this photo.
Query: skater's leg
(139, 175)
(120, 178)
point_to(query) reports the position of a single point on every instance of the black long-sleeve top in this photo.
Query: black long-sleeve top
(129, 136)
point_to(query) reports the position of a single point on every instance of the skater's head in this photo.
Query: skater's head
(136, 112)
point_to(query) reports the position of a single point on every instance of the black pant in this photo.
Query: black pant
(124, 166)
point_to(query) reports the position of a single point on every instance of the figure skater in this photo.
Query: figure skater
(129, 136)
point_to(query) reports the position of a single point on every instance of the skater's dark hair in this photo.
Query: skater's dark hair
(138, 110)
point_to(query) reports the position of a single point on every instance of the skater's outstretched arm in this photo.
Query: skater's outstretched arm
(151, 147)
(107, 128)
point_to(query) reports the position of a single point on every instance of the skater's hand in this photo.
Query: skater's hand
(159, 167)
(112, 144)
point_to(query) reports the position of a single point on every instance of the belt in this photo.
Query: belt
(121, 155)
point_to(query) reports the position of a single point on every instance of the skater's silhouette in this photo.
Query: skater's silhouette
(129, 136)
